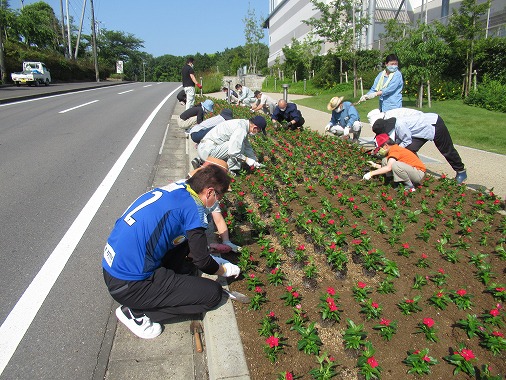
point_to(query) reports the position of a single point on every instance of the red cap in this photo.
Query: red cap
(380, 140)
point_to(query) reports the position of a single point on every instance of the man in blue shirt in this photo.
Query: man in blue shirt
(151, 243)
(288, 113)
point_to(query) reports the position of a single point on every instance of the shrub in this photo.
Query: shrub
(490, 94)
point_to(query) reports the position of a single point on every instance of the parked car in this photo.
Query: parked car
(35, 73)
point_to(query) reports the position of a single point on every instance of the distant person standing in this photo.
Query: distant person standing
(189, 82)
(387, 86)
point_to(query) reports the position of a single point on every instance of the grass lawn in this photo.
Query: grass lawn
(469, 126)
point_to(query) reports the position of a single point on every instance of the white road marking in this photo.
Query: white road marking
(76, 107)
(124, 92)
(57, 95)
(21, 316)
(148, 85)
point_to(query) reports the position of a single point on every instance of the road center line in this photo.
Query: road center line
(76, 107)
(124, 92)
(22, 315)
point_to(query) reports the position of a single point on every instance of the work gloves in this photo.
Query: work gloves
(199, 85)
(367, 176)
(232, 246)
(252, 163)
(231, 270)
(287, 125)
(327, 127)
(346, 131)
(368, 96)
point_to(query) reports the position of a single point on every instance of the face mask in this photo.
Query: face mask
(282, 109)
(392, 68)
(253, 133)
(382, 152)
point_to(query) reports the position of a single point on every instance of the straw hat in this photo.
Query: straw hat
(334, 102)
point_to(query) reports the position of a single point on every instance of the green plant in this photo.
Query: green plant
(371, 310)
(386, 328)
(354, 336)
(269, 325)
(310, 342)
(409, 306)
(274, 346)
(462, 299)
(258, 299)
(419, 362)
(328, 306)
(462, 359)
(291, 296)
(419, 281)
(361, 291)
(440, 299)
(427, 327)
(471, 325)
(367, 363)
(326, 369)
(276, 277)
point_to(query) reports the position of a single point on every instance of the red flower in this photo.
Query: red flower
(295, 294)
(498, 333)
(372, 362)
(405, 245)
(467, 354)
(429, 322)
(331, 221)
(494, 312)
(426, 358)
(274, 271)
(375, 305)
(331, 291)
(251, 275)
(289, 288)
(258, 289)
(361, 285)
(500, 289)
(288, 376)
(271, 314)
(410, 301)
(333, 245)
(301, 247)
(272, 341)
(241, 193)
(424, 256)
(461, 292)
(385, 322)
(356, 241)
(441, 270)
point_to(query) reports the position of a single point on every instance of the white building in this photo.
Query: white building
(286, 17)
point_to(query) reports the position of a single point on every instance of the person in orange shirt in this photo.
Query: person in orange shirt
(405, 166)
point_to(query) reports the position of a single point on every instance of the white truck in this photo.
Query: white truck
(35, 73)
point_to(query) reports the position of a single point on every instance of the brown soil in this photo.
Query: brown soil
(390, 355)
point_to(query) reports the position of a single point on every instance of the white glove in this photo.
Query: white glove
(234, 247)
(327, 127)
(363, 98)
(250, 161)
(220, 260)
(370, 95)
(367, 176)
(258, 165)
(346, 131)
(374, 165)
(231, 270)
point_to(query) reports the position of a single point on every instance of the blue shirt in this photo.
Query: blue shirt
(421, 126)
(346, 117)
(391, 96)
(155, 223)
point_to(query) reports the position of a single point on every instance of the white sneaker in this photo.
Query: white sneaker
(142, 327)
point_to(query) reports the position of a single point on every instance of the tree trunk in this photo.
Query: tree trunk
(2, 58)
(420, 96)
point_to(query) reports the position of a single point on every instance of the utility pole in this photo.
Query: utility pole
(80, 29)
(94, 39)
(68, 29)
(63, 29)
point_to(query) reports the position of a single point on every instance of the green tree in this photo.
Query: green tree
(253, 33)
(462, 32)
(116, 45)
(299, 56)
(39, 26)
(340, 24)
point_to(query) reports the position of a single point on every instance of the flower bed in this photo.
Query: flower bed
(357, 279)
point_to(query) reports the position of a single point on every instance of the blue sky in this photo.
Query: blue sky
(177, 27)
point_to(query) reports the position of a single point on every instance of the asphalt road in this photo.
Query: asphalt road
(69, 166)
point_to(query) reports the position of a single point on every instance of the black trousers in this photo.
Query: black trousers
(444, 144)
(166, 294)
(297, 124)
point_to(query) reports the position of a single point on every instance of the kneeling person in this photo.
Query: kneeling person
(406, 167)
(344, 119)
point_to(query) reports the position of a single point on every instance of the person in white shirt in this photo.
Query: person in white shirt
(264, 103)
